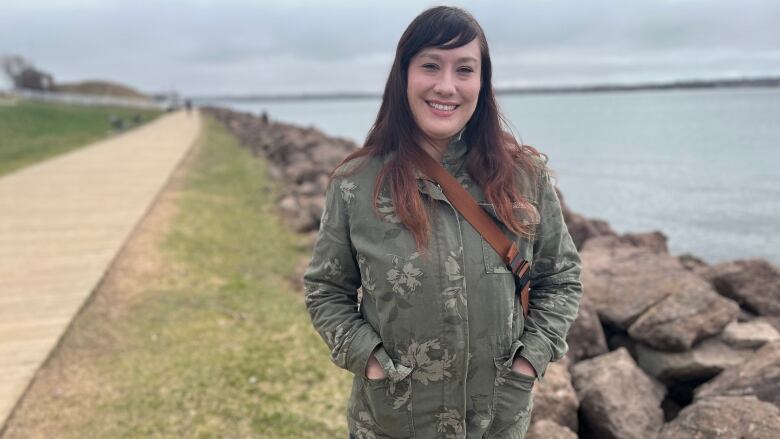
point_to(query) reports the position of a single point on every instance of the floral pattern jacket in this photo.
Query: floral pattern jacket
(444, 328)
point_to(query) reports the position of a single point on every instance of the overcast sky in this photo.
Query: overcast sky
(254, 46)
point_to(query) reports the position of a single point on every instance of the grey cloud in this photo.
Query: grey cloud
(248, 46)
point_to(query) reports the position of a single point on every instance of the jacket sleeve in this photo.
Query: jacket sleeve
(331, 281)
(556, 288)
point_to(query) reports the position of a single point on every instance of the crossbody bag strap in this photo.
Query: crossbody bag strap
(482, 222)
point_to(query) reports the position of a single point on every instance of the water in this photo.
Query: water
(702, 166)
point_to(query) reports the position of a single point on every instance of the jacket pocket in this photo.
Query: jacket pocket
(389, 405)
(494, 263)
(512, 398)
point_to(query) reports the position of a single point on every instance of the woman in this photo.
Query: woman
(438, 343)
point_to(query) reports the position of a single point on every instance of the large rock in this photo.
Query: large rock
(773, 320)
(680, 320)
(300, 172)
(704, 361)
(586, 336)
(753, 334)
(725, 417)
(329, 153)
(623, 280)
(753, 283)
(617, 399)
(695, 264)
(547, 429)
(308, 218)
(580, 228)
(555, 399)
(303, 213)
(618, 339)
(759, 376)
(655, 241)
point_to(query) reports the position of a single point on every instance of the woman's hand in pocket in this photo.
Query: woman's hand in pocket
(374, 370)
(523, 367)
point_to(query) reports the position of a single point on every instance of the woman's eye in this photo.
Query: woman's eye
(430, 66)
(465, 70)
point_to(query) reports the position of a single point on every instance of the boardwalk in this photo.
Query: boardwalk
(62, 222)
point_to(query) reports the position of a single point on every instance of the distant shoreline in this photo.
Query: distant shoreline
(673, 85)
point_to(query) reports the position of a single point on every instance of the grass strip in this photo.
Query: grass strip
(229, 351)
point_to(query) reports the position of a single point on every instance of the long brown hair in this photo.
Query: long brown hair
(494, 153)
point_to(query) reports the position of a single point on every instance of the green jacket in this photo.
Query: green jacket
(445, 329)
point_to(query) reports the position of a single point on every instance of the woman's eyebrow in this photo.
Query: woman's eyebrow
(438, 58)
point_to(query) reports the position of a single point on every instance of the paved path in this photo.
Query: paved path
(62, 222)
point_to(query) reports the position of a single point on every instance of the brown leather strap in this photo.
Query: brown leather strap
(480, 220)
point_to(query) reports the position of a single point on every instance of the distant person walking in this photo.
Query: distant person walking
(440, 345)
(188, 105)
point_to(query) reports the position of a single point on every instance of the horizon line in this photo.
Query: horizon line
(763, 81)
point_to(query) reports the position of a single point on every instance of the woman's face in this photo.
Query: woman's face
(443, 89)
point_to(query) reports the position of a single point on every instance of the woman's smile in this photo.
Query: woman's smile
(441, 110)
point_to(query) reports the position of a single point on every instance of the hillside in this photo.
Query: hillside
(98, 87)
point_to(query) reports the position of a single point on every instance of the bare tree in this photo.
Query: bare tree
(24, 75)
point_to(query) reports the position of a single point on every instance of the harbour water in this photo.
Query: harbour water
(702, 166)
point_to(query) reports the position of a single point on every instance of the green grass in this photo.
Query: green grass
(34, 131)
(225, 347)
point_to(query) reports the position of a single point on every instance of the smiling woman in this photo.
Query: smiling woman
(439, 342)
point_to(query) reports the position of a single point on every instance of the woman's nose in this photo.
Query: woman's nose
(444, 86)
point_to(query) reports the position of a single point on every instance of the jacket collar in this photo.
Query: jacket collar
(453, 156)
(456, 151)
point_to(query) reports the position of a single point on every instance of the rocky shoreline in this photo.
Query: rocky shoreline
(664, 346)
